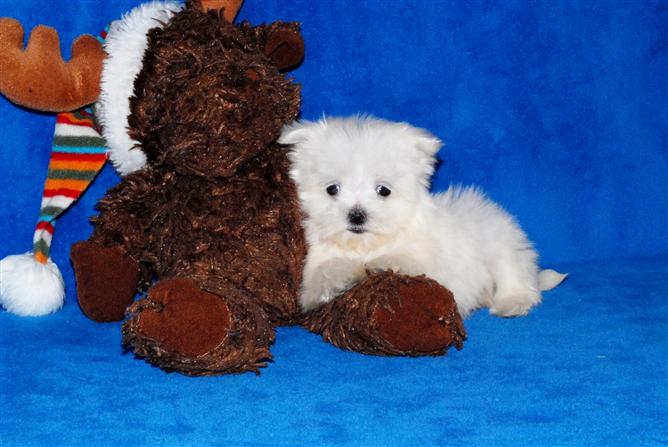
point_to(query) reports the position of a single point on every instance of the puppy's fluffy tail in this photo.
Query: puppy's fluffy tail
(549, 279)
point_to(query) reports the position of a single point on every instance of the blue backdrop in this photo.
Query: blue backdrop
(559, 110)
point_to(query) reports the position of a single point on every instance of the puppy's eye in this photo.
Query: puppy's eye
(383, 190)
(333, 190)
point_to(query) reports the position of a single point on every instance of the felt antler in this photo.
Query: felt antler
(230, 7)
(38, 77)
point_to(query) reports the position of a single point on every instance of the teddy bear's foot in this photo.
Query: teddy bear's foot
(180, 327)
(106, 279)
(391, 314)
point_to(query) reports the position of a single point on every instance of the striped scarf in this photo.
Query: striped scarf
(78, 154)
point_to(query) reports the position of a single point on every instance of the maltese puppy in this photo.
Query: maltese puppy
(363, 186)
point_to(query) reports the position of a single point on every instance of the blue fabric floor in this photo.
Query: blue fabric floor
(559, 110)
(587, 367)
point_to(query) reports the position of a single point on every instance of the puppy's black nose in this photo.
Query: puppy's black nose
(357, 216)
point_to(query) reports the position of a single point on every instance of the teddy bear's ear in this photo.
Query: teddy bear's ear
(285, 47)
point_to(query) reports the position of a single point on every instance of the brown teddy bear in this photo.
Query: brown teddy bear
(211, 224)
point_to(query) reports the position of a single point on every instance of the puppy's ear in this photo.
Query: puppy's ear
(426, 142)
(295, 133)
(427, 146)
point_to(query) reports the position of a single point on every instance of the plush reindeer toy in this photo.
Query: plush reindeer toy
(206, 218)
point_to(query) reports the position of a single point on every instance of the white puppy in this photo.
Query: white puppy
(363, 185)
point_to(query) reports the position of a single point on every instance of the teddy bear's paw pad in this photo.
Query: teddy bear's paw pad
(180, 327)
(106, 280)
(183, 318)
(391, 314)
(422, 319)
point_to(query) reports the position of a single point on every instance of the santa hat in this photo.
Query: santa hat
(31, 284)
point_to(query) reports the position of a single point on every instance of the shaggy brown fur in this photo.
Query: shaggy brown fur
(391, 314)
(200, 210)
(181, 328)
(214, 215)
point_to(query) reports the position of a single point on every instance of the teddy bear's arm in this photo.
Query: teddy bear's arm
(391, 314)
(117, 260)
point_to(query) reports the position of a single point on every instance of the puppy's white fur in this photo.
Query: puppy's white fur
(459, 238)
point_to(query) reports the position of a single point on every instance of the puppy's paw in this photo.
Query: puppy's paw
(330, 280)
(516, 304)
(406, 265)
(313, 294)
(341, 273)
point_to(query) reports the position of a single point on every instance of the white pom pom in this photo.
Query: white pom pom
(30, 288)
